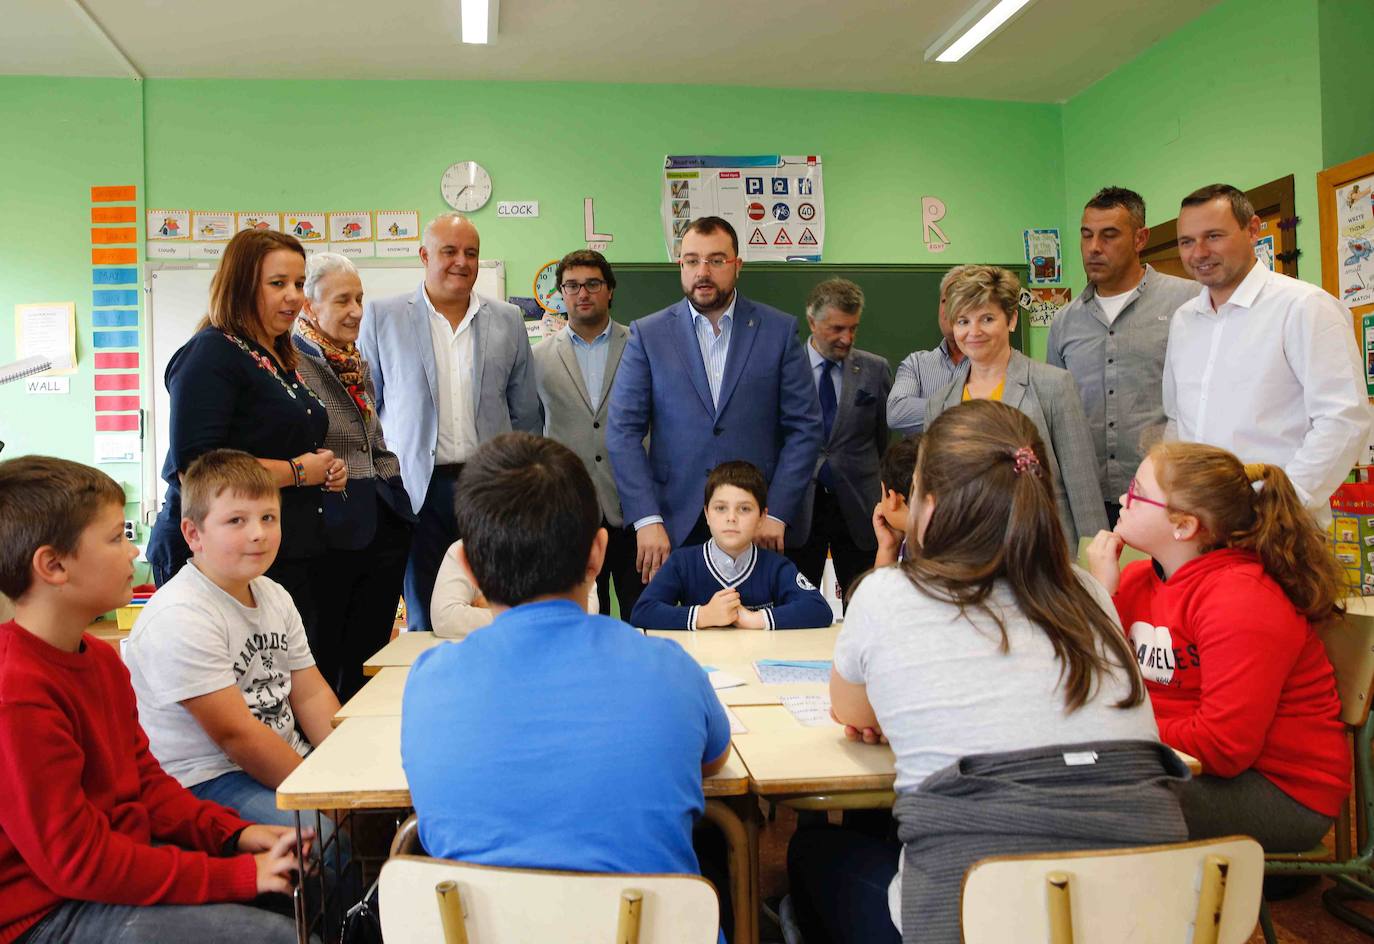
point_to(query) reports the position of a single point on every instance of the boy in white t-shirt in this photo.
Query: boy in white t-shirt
(219, 659)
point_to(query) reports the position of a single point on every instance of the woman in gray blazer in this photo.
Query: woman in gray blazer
(982, 303)
(366, 528)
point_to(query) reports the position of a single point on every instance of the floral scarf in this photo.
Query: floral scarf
(346, 363)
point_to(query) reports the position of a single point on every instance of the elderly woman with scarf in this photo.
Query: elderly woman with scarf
(367, 527)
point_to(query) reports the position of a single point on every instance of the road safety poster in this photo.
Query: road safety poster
(776, 203)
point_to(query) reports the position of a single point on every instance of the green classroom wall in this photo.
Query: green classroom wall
(1346, 30)
(61, 137)
(1188, 111)
(1202, 106)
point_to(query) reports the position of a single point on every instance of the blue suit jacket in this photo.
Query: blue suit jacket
(768, 415)
(396, 344)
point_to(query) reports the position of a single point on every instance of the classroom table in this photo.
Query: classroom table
(735, 650)
(379, 697)
(402, 651)
(358, 767)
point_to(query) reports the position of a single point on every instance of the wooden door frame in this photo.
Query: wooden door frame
(1277, 195)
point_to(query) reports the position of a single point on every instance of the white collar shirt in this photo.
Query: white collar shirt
(1273, 376)
(453, 371)
(715, 346)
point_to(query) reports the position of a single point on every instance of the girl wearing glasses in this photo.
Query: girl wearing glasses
(1224, 624)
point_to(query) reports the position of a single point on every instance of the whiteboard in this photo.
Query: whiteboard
(178, 295)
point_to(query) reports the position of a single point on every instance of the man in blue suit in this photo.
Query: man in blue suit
(712, 378)
(452, 370)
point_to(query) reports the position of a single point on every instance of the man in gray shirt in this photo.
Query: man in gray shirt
(1112, 337)
(923, 373)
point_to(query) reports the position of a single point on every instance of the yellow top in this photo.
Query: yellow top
(995, 395)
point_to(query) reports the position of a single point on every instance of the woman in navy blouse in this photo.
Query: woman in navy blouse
(234, 385)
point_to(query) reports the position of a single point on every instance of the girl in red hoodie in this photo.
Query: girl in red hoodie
(1223, 621)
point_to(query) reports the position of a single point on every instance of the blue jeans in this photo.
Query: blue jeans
(839, 880)
(88, 922)
(258, 804)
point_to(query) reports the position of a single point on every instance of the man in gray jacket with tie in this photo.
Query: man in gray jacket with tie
(852, 386)
(573, 372)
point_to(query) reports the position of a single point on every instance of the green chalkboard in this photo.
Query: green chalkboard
(900, 301)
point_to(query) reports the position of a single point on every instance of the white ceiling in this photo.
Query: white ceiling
(1054, 50)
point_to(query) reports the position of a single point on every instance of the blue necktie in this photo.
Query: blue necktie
(828, 408)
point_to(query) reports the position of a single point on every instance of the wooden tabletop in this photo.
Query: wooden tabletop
(381, 696)
(785, 757)
(402, 651)
(720, 646)
(358, 767)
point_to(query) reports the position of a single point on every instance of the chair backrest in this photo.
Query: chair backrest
(520, 905)
(1349, 645)
(1129, 554)
(1145, 895)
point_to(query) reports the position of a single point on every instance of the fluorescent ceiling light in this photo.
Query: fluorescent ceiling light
(479, 20)
(975, 26)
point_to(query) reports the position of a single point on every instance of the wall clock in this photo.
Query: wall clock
(466, 186)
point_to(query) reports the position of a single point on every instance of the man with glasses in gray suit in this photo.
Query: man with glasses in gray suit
(573, 372)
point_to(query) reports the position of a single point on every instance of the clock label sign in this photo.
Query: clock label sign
(517, 209)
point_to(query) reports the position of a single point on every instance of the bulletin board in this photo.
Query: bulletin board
(1345, 202)
(177, 298)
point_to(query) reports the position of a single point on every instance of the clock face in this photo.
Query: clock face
(546, 292)
(466, 186)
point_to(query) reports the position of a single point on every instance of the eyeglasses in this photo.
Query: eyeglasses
(591, 285)
(714, 262)
(1132, 496)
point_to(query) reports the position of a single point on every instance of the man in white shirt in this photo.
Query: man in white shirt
(1259, 363)
(452, 370)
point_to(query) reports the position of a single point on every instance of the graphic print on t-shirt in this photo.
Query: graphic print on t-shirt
(261, 670)
(1154, 650)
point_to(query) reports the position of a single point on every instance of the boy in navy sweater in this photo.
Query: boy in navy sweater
(728, 582)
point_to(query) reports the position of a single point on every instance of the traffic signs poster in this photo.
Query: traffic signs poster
(774, 202)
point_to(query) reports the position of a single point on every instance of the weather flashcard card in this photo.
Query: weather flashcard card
(259, 221)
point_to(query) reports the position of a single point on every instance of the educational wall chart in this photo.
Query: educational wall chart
(1044, 303)
(398, 233)
(1355, 241)
(776, 203)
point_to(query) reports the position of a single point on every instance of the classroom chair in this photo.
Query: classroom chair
(1350, 647)
(435, 901)
(1146, 895)
(741, 841)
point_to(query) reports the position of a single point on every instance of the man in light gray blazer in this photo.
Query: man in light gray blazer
(573, 371)
(452, 370)
(852, 386)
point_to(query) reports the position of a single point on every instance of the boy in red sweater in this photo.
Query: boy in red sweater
(96, 842)
(1222, 621)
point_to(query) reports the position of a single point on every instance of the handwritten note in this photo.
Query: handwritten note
(812, 711)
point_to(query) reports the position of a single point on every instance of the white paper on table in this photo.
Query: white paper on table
(720, 679)
(812, 711)
(736, 725)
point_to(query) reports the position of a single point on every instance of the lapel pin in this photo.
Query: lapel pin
(751, 322)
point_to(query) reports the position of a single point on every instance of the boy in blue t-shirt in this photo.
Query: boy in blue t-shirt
(550, 738)
(729, 582)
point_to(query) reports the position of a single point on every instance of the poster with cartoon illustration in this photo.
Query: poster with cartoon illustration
(1043, 304)
(398, 233)
(209, 226)
(1042, 254)
(776, 203)
(307, 227)
(350, 234)
(169, 224)
(1264, 251)
(257, 220)
(1355, 241)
